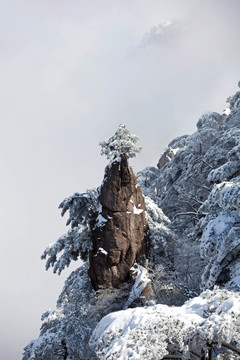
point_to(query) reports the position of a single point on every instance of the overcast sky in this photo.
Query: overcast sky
(70, 72)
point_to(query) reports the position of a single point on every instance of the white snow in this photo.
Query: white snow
(136, 210)
(175, 150)
(220, 241)
(122, 142)
(140, 333)
(102, 251)
(227, 111)
(141, 281)
(101, 220)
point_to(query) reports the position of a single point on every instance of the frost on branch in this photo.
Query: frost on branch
(161, 236)
(122, 142)
(220, 240)
(153, 332)
(77, 241)
(193, 213)
(66, 330)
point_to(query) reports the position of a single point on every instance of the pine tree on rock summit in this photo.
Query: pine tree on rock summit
(122, 142)
(183, 254)
(107, 226)
(119, 232)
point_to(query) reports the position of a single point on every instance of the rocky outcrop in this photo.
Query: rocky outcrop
(165, 158)
(119, 229)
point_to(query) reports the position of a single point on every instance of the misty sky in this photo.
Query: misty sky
(71, 71)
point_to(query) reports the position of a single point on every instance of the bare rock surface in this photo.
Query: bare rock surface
(165, 158)
(119, 229)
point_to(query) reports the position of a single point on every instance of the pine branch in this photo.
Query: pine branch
(186, 213)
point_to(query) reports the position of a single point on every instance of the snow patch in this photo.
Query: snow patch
(137, 211)
(101, 220)
(101, 250)
(227, 111)
(140, 283)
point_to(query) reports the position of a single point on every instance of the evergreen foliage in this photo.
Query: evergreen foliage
(202, 325)
(193, 212)
(76, 242)
(122, 142)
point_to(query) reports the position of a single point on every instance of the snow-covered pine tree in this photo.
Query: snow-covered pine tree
(76, 242)
(120, 231)
(193, 212)
(65, 332)
(122, 142)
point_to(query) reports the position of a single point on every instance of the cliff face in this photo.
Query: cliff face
(165, 158)
(119, 229)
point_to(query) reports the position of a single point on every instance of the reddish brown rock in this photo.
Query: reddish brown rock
(119, 230)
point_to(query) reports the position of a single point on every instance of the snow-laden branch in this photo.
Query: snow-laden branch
(77, 241)
(122, 142)
(161, 332)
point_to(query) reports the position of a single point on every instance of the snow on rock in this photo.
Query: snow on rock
(101, 220)
(137, 211)
(166, 157)
(103, 251)
(142, 288)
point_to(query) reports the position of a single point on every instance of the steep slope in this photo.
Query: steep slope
(197, 185)
(109, 232)
(193, 214)
(197, 188)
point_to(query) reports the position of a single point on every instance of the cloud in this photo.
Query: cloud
(71, 71)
